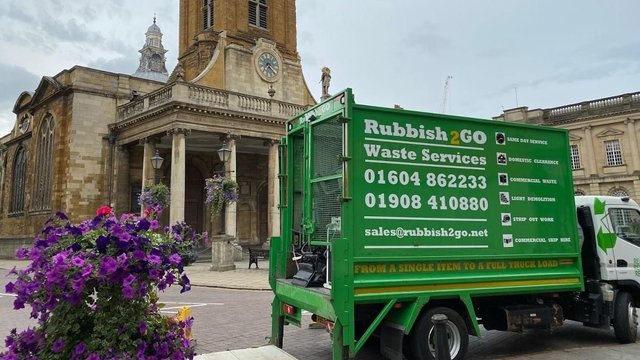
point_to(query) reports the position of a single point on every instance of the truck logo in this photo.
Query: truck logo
(507, 240)
(503, 179)
(506, 219)
(502, 158)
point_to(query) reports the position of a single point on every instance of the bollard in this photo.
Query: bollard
(441, 339)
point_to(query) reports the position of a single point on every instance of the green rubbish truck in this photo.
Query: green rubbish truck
(390, 216)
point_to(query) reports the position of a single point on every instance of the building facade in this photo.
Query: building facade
(604, 141)
(85, 137)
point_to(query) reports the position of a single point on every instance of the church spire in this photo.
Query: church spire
(152, 59)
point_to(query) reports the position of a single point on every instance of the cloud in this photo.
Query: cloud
(121, 65)
(71, 30)
(15, 78)
(426, 39)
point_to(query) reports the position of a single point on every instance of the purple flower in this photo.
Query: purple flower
(128, 292)
(102, 242)
(186, 284)
(138, 254)
(170, 278)
(128, 280)
(80, 349)
(22, 253)
(77, 261)
(78, 285)
(122, 259)
(93, 356)
(142, 327)
(154, 257)
(108, 266)
(57, 345)
(175, 259)
(87, 270)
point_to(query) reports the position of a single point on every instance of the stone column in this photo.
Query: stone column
(178, 158)
(230, 220)
(633, 141)
(121, 197)
(147, 169)
(273, 187)
(592, 170)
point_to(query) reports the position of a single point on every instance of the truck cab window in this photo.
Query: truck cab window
(626, 223)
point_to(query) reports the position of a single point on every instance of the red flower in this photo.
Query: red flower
(103, 210)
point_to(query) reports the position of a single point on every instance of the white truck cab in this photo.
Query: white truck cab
(616, 222)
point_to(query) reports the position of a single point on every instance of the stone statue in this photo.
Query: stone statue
(179, 72)
(325, 80)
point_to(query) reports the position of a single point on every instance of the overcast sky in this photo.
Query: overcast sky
(500, 53)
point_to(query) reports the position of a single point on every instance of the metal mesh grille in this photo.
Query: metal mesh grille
(326, 210)
(327, 145)
(298, 181)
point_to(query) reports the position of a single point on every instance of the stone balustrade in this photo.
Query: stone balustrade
(207, 97)
(605, 106)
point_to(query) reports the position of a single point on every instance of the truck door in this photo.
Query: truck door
(326, 185)
(626, 250)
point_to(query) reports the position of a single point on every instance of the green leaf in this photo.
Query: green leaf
(598, 206)
(606, 240)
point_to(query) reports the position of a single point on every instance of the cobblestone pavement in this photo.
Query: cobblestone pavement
(228, 319)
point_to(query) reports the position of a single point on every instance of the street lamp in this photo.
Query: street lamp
(223, 152)
(156, 163)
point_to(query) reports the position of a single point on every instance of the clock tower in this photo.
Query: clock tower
(243, 46)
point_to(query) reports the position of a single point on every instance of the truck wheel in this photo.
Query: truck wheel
(625, 319)
(422, 341)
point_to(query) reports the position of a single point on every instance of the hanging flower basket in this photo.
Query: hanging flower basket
(221, 191)
(155, 197)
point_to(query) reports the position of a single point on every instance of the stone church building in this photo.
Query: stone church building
(85, 137)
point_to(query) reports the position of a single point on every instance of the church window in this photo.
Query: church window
(258, 13)
(575, 157)
(19, 178)
(44, 165)
(613, 152)
(207, 14)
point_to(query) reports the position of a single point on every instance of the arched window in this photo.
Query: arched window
(618, 191)
(44, 165)
(579, 192)
(19, 177)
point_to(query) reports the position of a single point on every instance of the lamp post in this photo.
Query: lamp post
(156, 163)
(223, 154)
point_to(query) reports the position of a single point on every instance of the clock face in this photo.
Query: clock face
(268, 65)
(24, 125)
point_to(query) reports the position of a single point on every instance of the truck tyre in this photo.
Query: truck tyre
(625, 319)
(421, 340)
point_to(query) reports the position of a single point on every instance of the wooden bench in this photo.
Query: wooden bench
(257, 253)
